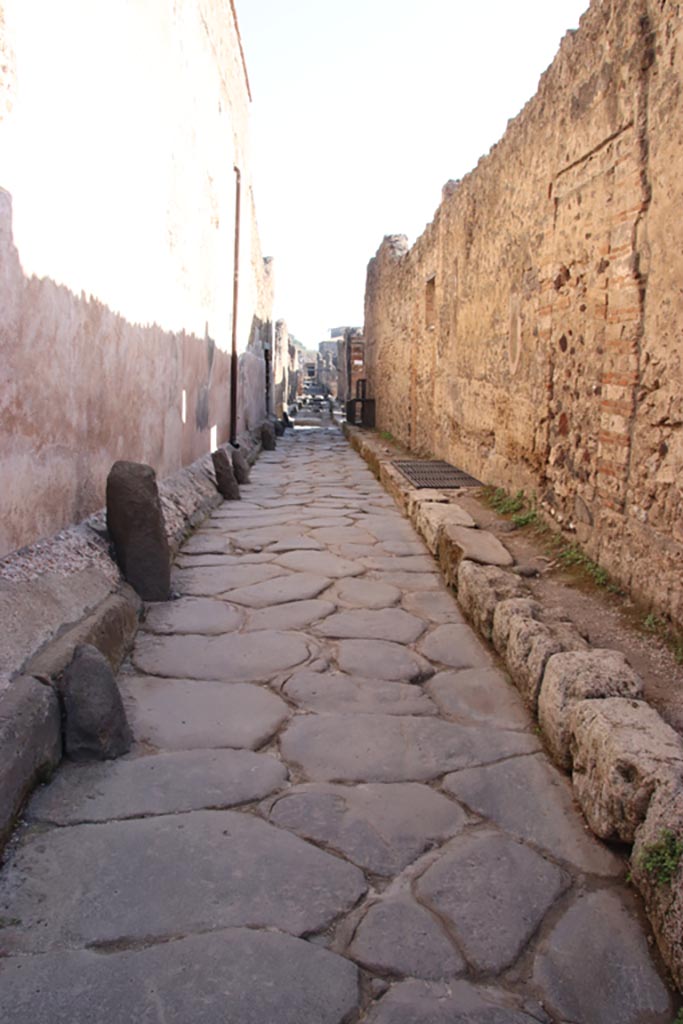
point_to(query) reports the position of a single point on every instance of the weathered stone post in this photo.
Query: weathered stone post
(268, 436)
(240, 464)
(226, 479)
(136, 526)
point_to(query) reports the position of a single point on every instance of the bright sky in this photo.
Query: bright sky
(362, 111)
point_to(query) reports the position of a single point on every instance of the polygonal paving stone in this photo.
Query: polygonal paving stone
(329, 522)
(387, 526)
(343, 535)
(494, 892)
(455, 645)
(210, 580)
(232, 658)
(255, 520)
(434, 605)
(457, 1002)
(385, 748)
(169, 875)
(254, 540)
(238, 974)
(187, 780)
(382, 828)
(365, 593)
(385, 624)
(192, 615)
(336, 692)
(355, 551)
(293, 615)
(410, 580)
(321, 563)
(177, 714)
(404, 547)
(529, 798)
(201, 543)
(595, 965)
(296, 543)
(401, 563)
(381, 659)
(479, 695)
(399, 936)
(200, 561)
(298, 586)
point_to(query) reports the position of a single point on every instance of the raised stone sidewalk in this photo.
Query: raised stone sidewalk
(337, 809)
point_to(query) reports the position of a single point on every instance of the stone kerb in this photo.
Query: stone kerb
(626, 763)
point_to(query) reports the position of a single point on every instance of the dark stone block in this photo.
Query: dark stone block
(240, 465)
(136, 526)
(268, 437)
(226, 481)
(278, 427)
(95, 723)
(286, 420)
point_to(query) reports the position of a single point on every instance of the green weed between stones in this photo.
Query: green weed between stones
(659, 627)
(386, 435)
(661, 859)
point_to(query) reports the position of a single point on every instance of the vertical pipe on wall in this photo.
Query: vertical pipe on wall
(235, 297)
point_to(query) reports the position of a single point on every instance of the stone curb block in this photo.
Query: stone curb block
(578, 676)
(627, 765)
(31, 744)
(622, 752)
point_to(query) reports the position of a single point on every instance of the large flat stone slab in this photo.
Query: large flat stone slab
(609, 978)
(401, 563)
(320, 563)
(299, 586)
(365, 593)
(434, 605)
(478, 696)
(165, 876)
(455, 1002)
(342, 535)
(477, 545)
(209, 580)
(369, 624)
(385, 748)
(494, 892)
(292, 615)
(411, 580)
(181, 714)
(236, 975)
(263, 536)
(232, 658)
(381, 659)
(203, 615)
(455, 645)
(206, 542)
(300, 542)
(529, 798)
(390, 526)
(382, 828)
(401, 937)
(337, 692)
(159, 784)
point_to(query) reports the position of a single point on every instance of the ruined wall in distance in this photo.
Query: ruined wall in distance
(533, 335)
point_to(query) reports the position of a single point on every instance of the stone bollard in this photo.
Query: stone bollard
(240, 465)
(226, 480)
(278, 427)
(136, 526)
(286, 420)
(268, 436)
(95, 723)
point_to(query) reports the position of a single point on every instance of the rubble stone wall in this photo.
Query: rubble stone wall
(533, 334)
(117, 227)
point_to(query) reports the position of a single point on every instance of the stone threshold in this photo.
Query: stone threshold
(624, 760)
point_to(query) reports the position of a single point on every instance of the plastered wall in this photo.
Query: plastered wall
(533, 335)
(120, 126)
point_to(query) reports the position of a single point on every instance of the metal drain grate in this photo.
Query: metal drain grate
(440, 475)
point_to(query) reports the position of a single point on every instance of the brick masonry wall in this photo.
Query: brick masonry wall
(532, 335)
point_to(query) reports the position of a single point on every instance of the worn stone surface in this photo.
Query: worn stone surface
(192, 615)
(530, 799)
(299, 586)
(95, 723)
(30, 740)
(455, 1002)
(381, 828)
(580, 675)
(292, 615)
(385, 624)
(322, 564)
(481, 588)
(505, 613)
(494, 892)
(619, 984)
(240, 465)
(459, 542)
(335, 691)
(401, 937)
(268, 436)
(433, 605)
(136, 525)
(621, 751)
(431, 517)
(158, 784)
(364, 593)
(232, 658)
(478, 696)
(192, 872)
(455, 645)
(381, 659)
(226, 481)
(208, 581)
(382, 748)
(181, 714)
(530, 645)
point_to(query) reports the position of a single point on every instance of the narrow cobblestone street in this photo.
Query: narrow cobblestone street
(337, 808)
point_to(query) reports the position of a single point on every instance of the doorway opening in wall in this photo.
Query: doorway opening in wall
(430, 303)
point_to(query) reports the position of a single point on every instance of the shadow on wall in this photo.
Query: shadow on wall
(82, 387)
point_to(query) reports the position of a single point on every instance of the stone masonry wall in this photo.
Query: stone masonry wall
(120, 126)
(532, 335)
